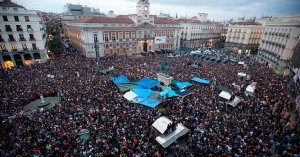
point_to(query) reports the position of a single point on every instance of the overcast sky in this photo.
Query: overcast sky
(217, 10)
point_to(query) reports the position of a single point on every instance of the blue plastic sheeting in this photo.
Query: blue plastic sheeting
(183, 92)
(143, 92)
(201, 80)
(120, 79)
(182, 85)
(149, 103)
(147, 83)
(167, 93)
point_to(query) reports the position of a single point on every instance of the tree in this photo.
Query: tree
(54, 45)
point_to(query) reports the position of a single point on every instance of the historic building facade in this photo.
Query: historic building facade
(23, 37)
(123, 35)
(279, 41)
(244, 36)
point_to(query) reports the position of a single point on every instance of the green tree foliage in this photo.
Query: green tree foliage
(55, 45)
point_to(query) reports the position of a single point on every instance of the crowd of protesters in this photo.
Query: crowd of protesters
(261, 125)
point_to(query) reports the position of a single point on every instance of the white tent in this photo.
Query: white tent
(161, 124)
(241, 63)
(250, 88)
(130, 95)
(167, 140)
(242, 74)
(225, 95)
(235, 101)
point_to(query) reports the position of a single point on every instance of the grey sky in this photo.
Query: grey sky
(217, 10)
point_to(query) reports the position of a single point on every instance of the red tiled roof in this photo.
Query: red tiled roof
(164, 21)
(8, 3)
(104, 20)
(247, 23)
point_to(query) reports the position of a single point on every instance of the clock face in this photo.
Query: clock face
(146, 8)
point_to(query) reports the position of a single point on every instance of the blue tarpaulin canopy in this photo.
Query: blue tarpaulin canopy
(183, 92)
(149, 103)
(143, 92)
(182, 85)
(147, 83)
(201, 80)
(120, 79)
(167, 93)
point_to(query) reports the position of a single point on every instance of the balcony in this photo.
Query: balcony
(2, 40)
(19, 29)
(11, 39)
(32, 39)
(25, 49)
(22, 39)
(34, 49)
(14, 50)
(8, 30)
(4, 50)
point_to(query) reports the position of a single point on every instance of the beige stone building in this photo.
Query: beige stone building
(244, 36)
(280, 38)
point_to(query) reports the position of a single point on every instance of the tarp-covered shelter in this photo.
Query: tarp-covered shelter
(149, 102)
(182, 85)
(147, 83)
(120, 79)
(167, 93)
(161, 124)
(235, 101)
(200, 80)
(130, 95)
(250, 88)
(225, 95)
(224, 88)
(143, 92)
(126, 86)
(183, 92)
(167, 140)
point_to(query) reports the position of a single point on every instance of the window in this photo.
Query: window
(11, 37)
(120, 36)
(19, 28)
(95, 37)
(21, 37)
(4, 9)
(14, 47)
(7, 28)
(24, 46)
(5, 18)
(1, 39)
(114, 46)
(27, 18)
(106, 46)
(34, 47)
(113, 36)
(126, 35)
(15, 9)
(106, 37)
(132, 35)
(28, 26)
(16, 18)
(31, 36)
(140, 34)
(3, 48)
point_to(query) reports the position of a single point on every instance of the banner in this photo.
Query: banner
(160, 40)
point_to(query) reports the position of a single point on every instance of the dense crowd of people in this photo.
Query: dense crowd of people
(261, 125)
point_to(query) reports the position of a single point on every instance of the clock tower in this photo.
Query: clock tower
(143, 11)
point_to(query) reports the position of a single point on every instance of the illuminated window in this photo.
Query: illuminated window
(24, 46)
(14, 46)
(3, 48)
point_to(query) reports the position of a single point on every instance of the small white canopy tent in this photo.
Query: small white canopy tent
(167, 140)
(161, 124)
(225, 95)
(250, 88)
(235, 101)
(130, 95)
(242, 74)
(241, 63)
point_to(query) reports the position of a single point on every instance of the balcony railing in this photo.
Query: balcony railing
(22, 39)
(13, 50)
(25, 49)
(19, 29)
(34, 49)
(32, 39)
(2, 40)
(8, 30)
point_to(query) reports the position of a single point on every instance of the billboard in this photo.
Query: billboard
(160, 40)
